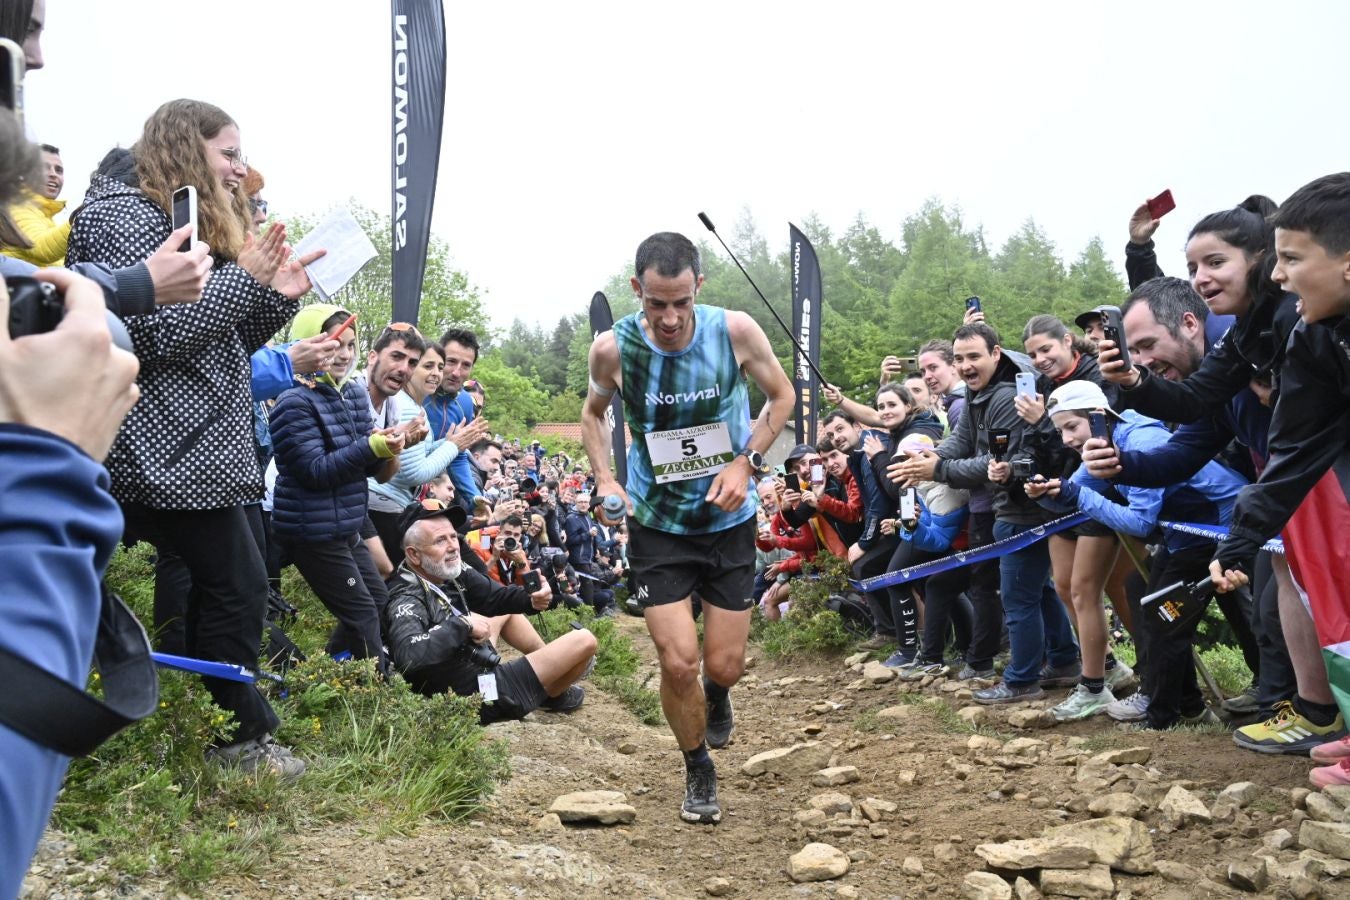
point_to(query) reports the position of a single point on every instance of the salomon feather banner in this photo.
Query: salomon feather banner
(419, 106)
(806, 305)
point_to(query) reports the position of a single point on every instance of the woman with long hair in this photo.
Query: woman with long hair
(183, 466)
(1085, 560)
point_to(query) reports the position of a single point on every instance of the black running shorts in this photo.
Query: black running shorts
(669, 567)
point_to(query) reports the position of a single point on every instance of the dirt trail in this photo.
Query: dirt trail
(949, 799)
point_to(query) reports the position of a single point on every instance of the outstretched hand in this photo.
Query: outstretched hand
(1142, 225)
(291, 280)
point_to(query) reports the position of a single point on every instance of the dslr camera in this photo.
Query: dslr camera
(484, 655)
(36, 307)
(510, 544)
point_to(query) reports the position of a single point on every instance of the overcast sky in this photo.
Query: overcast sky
(574, 130)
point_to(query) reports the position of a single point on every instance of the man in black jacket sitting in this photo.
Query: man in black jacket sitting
(444, 619)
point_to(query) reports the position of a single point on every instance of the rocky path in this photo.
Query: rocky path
(839, 783)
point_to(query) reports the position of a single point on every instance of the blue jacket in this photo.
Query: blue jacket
(1205, 498)
(877, 504)
(443, 413)
(935, 533)
(324, 455)
(60, 526)
(1196, 443)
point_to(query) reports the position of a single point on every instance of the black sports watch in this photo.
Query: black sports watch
(755, 457)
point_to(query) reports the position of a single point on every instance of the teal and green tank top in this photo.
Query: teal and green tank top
(689, 412)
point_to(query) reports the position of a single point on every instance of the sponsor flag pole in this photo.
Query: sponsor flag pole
(418, 108)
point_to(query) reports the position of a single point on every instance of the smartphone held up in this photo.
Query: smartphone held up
(185, 213)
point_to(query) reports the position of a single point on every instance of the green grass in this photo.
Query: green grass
(377, 753)
(617, 664)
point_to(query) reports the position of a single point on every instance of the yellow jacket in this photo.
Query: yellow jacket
(36, 220)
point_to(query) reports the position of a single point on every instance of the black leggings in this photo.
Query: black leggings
(904, 606)
(225, 604)
(945, 606)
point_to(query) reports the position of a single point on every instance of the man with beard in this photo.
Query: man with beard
(444, 619)
(1170, 329)
(389, 364)
(451, 405)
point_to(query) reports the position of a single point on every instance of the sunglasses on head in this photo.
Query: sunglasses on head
(401, 328)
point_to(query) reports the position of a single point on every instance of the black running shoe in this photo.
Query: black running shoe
(720, 723)
(700, 797)
(569, 700)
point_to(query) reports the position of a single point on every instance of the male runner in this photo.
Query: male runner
(681, 369)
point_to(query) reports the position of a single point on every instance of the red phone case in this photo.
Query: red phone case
(351, 320)
(1162, 204)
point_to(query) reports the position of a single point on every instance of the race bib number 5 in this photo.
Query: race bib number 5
(685, 453)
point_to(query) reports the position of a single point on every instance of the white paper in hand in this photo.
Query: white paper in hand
(348, 250)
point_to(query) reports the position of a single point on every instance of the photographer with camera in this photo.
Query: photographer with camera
(561, 577)
(507, 562)
(444, 619)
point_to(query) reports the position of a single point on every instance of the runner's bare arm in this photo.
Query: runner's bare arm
(755, 356)
(605, 379)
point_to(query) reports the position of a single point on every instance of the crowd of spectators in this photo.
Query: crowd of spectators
(430, 539)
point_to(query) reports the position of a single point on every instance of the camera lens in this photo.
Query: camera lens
(510, 544)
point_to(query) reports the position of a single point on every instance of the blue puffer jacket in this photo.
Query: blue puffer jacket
(324, 455)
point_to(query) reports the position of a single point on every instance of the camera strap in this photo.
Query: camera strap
(60, 716)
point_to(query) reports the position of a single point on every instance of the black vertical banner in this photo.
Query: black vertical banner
(419, 104)
(602, 320)
(806, 305)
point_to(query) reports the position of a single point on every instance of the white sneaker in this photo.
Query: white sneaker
(1120, 678)
(1132, 709)
(1082, 703)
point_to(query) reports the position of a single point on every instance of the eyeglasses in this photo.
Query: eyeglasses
(237, 159)
(257, 206)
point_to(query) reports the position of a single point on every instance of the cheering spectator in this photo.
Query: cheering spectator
(183, 466)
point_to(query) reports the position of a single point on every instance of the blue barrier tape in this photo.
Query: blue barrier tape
(1216, 533)
(213, 669)
(1017, 542)
(1021, 541)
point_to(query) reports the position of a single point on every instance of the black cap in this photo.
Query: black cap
(800, 451)
(430, 509)
(1083, 320)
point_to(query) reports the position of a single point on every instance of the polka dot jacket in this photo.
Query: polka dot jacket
(188, 442)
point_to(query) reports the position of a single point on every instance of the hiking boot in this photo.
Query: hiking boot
(1287, 732)
(568, 701)
(1336, 773)
(969, 674)
(1082, 703)
(1061, 676)
(1121, 678)
(1006, 693)
(899, 659)
(260, 753)
(1131, 709)
(608, 612)
(1332, 751)
(877, 642)
(1244, 704)
(720, 724)
(700, 797)
(920, 670)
